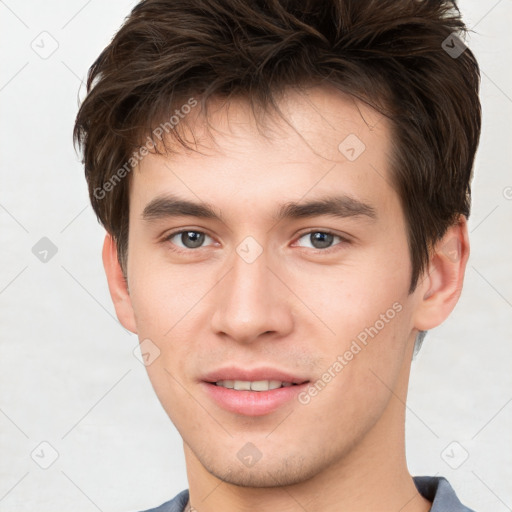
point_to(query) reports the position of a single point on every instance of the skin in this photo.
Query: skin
(295, 307)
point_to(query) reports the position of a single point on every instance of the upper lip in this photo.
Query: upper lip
(254, 374)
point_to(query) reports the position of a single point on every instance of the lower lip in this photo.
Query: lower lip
(252, 403)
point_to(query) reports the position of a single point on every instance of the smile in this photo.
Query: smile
(255, 385)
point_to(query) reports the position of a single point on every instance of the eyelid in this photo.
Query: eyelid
(344, 239)
(166, 238)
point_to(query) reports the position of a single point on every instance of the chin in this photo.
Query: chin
(276, 473)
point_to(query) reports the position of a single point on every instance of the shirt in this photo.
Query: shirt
(435, 489)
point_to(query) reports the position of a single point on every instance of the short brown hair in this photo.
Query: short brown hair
(392, 54)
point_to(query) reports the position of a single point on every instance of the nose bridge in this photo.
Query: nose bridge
(251, 301)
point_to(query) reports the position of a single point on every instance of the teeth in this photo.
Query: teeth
(242, 385)
(255, 385)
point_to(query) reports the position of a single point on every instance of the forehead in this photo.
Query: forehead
(325, 142)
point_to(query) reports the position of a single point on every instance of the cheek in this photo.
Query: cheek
(366, 374)
(162, 294)
(361, 295)
(367, 307)
(175, 395)
(167, 303)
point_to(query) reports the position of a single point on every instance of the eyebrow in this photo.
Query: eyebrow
(341, 206)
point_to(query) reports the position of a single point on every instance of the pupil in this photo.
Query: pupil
(192, 239)
(321, 240)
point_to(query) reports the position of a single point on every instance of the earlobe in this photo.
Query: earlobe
(440, 289)
(117, 285)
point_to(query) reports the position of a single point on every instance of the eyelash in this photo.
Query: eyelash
(343, 240)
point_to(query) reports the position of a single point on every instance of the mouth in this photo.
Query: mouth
(255, 385)
(252, 392)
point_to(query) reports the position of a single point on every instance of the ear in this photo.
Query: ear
(117, 285)
(440, 288)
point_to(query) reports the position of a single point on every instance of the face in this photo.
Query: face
(264, 287)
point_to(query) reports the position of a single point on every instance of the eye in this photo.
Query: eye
(321, 239)
(191, 239)
(188, 239)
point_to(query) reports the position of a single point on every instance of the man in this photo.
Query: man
(286, 187)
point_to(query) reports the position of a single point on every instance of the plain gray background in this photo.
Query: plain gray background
(68, 374)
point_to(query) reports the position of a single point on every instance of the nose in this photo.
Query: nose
(251, 301)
